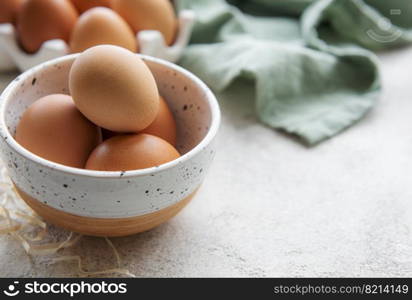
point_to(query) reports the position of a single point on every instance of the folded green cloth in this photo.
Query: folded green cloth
(305, 58)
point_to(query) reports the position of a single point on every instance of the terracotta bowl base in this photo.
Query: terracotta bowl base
(102, 226)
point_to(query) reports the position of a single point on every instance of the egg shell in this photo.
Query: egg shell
(101, 25)
(54, 129)
(9, 10)
(114, 88)
(149, 15)
(131, 152)
(43, 20)
(164, 125)
(83, 5)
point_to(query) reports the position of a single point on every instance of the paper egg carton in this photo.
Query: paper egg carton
(151, 42)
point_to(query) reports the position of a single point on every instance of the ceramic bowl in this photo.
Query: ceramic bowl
(111, 203)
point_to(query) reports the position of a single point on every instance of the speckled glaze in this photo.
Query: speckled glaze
(112, 194)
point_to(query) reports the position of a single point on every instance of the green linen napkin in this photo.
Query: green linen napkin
(306, 59)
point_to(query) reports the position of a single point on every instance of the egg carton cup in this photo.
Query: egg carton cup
(151, 42)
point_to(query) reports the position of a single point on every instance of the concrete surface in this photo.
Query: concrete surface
(272, 207)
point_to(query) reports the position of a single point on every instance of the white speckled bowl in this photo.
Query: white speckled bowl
(111, 203)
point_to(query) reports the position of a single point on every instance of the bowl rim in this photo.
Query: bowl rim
(9, 139)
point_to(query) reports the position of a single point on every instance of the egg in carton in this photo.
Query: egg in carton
(151, 43)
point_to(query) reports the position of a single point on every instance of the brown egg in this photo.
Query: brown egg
(101, 25)
(131, 152)
(9, 10)
(54, 129)
(114, 88)
(83, 5)
(149, 15)
(164, 126)
(43, 20)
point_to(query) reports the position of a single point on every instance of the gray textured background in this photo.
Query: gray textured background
(272, 207)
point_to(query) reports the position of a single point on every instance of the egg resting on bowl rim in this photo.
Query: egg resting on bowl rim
(54, 129)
